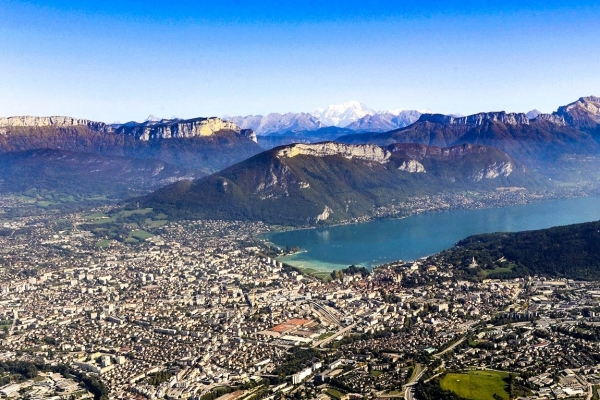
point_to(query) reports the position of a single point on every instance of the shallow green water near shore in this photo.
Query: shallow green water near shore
(377, 242)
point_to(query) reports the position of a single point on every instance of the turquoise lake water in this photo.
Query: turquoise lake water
(373, 243)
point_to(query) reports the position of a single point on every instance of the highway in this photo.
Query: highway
(409, 390)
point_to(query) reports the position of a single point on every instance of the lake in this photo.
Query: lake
(373, 243)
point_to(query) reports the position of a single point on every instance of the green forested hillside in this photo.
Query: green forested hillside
(305, 189)
(571, 251)
(84, 174)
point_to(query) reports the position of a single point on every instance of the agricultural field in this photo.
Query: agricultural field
(477, 385)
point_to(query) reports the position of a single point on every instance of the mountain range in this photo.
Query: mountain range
(353, 173)
(202, 144)
(353, 117)
(64, 161)
(571, 130)
(303, 184)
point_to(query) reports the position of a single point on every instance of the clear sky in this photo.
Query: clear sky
(121, 61)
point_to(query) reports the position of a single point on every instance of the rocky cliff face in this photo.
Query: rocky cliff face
(168, 129)
(200, 144)
(412, 166)
(145, 131)
(494, 171)
(554, 118)
(584, 111)
(367, 152)
(487, 162)
(40, 122)
(477, 119)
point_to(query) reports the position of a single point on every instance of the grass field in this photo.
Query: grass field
(140, 234)
(108, 225)
(336, 394)
(477, 385)
(322, 275)
(487, 272)
(155, 224)
(104, 243)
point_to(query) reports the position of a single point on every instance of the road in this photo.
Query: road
(417, 375)
(440, 370)
(409, 391)
(12, 328)
(441, 353)
(330, 338)
(409, 387)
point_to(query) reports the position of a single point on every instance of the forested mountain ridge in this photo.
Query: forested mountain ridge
(306, 183)
(571, 252)
(83, 174)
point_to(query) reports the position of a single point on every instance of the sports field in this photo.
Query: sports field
(477, 385)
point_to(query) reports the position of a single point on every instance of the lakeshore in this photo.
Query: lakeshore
(378, 242)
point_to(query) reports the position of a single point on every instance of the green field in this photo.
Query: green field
(155, 224)
(104, 243)
(140, 234)
(322, 275)
(477, 385)
(336, 394)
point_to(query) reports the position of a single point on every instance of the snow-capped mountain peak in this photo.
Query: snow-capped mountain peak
(533, 114)
(152, 118)
(398, 111)
(342, 114)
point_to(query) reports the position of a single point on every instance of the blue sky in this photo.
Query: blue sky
(120, 61)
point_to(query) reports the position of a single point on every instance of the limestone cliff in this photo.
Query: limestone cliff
(200, 144)
(176, 128)
(494, 171)
(584, 111)
(39, 122)
(367, 152)
(145, 131)
(412, 166)
(477, 119)
(554, 118)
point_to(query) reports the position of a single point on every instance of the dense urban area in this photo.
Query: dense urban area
(93, 306)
